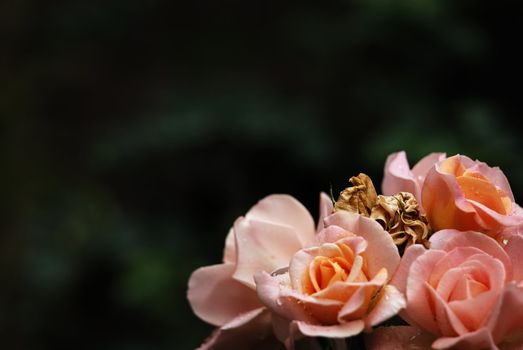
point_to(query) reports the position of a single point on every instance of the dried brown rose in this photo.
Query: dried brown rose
(401, 217)
(359, 198)
(399, 214)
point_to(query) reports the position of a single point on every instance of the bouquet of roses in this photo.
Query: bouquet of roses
(436, 261)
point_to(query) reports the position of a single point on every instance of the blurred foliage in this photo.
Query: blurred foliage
(135, 132)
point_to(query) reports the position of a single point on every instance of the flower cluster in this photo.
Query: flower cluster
(441, 250)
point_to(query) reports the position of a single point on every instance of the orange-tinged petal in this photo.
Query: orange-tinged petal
(505, 199)
(453, 166)
(445, 205)
(482, 191)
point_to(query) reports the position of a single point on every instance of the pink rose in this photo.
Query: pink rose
(462, 194)
(398, 177)
(466, 292)
(338, 285)
(224, 294)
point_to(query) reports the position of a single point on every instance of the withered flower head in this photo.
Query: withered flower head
(399, 214)
(401, 217)
(359, 198)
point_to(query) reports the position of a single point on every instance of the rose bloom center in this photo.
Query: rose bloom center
(468, 287)
(324, 271)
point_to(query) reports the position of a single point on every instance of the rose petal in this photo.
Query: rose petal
(291, 305)
(217, 298)
(229, 252)
(262, 246)
(480, 339)
(465, 195)
(448, 323)
(494, 220)
(494, 174)
(381, 251)
(390, 303)
(251, 330)
(457, 257)
(284, 210)
(400, 277)
(514, 249)
(473, 312)
(326, 208)
(420, 170)
(298, 267)
(419, 308)
(330, 234)
(508, 325)
(358, 303)
(444, 203)
(450, 239)
(398, 338)
(398, 177)
(343, 330)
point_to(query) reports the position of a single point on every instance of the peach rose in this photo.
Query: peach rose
(224, 294)
(466, 292)
(463, 194)
(398, 177)
(338, 285)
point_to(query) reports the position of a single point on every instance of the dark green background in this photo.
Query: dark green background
(133, 133)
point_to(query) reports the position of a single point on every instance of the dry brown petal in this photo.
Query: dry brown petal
(359, 198)
(400, 216)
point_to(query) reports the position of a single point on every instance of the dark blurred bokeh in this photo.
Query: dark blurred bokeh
(135, 132)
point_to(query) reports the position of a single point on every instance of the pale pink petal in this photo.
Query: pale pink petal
(229, 252)
(262, 246)
(381, 251)
(448, 323)
(251, 330)
(400, 277)
(299, 266)
(398, 338)
(473, 312)
(420, 170)
(508, 325)
(287, 303)
(397, 176)
(481, 268)
(343, 330)
(356, 243)
(450, 239)
(390, 303)
(458, 256)
(358, 303)
(480, 339)
(217, 298)
(326, 208)
(514, 249)
(419, 309)
(493, 219)
(330, 234)
(284, 210)
(508, 232)
(516, 209)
